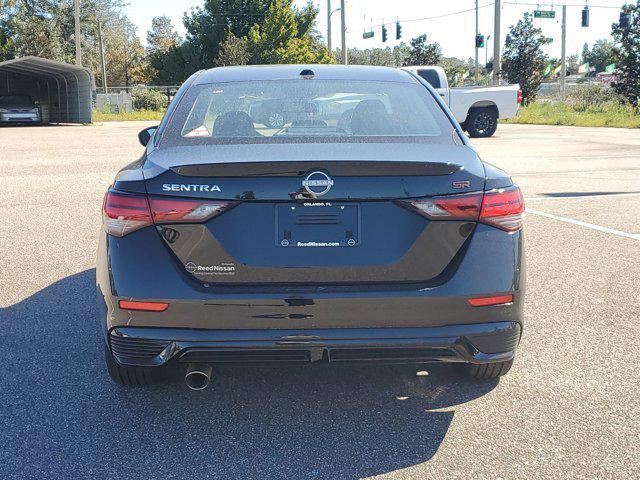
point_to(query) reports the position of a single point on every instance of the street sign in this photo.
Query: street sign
(367, 35)
(544, 14)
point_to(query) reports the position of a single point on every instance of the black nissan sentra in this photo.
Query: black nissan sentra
(308, 214)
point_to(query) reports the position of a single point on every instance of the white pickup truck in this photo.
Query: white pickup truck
(477, 109)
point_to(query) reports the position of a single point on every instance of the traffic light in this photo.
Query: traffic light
(398, 31)
(384, 33)
(585, 17)
(479, 41)
(624, 20)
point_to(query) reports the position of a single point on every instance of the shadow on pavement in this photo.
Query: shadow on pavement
(62, 417)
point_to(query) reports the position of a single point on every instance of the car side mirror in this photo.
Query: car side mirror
(145, 135)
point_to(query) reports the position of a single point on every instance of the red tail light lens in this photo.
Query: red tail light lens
(175, 210)
(123, 213)
(519, 97)
(503, 208)
(451, 207)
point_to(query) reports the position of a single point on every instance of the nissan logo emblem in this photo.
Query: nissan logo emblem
(317, 183)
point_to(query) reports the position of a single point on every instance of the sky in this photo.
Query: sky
(455, 33)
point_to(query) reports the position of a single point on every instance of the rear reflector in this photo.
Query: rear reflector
(502, 208)
(123, 213)
(143, 306)
(486, 301)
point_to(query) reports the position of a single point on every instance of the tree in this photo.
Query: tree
(233, 51)
(279, 40)
(628, 55)
(386, 57)
(601, 54)
(167, 54)
(423, 53)
(125, 56)
(573, 64)
(524, 61)
(162, 36)
(208, 27)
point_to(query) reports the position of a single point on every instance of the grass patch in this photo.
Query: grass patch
(127, 116)
(578, 115)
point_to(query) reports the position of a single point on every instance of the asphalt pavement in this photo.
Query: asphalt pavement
(569, 407)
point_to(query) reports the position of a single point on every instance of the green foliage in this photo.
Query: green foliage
(162, 36)
(601, 54)
(628, 55)
(592, 96)
(423, 53)
(148, 99)
(140, 115)
(277, 40)
(523, 61)
(233, 51)
(387, 57)
(207, 27)
(560, 113)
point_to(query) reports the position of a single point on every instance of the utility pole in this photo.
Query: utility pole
(486, 54)
(329, 26)
(563, 71)
(344, 34)
(476, 44)
(496, 44)
(76, 14)
(104, 67)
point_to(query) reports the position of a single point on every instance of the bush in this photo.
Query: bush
(594, 96)
(146, 99)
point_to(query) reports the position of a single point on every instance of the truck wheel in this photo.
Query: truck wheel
(487, 371)
(129, 376)
(482, 122)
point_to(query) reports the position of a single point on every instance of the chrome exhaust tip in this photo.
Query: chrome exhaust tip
(197, 376)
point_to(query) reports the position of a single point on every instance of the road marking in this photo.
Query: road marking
(634, 236)
(571, 197)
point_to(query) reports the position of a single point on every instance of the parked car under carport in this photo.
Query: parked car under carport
(64, 92)
(19, 109)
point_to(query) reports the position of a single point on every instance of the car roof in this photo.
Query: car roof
(289, 72)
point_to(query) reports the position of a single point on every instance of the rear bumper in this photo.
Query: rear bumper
(473, 343)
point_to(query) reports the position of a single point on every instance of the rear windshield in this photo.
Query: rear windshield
(281, 111)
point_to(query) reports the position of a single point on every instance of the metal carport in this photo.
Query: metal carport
(63, 90)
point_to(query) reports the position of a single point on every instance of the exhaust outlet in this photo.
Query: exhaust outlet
(198, 376)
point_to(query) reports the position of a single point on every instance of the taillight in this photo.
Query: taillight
(519, 97)
(502, 208)
(176, 210)
(451, 207)
(124, 213)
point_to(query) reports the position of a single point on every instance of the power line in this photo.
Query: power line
(540, 4)
(408, 20)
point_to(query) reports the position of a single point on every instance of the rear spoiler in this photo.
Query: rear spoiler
(335, 168)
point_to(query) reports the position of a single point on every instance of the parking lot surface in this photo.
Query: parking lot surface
(569, 408)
